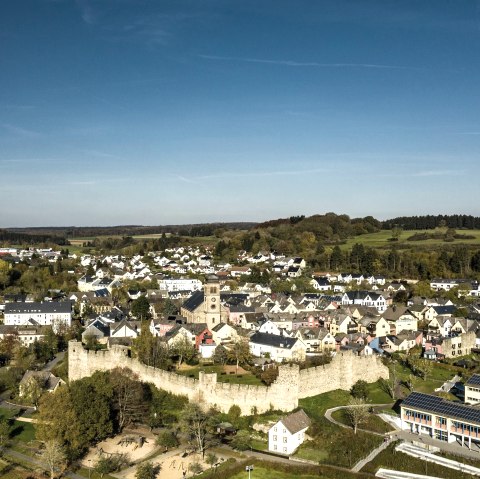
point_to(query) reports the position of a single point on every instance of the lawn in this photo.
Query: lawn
(6, 413)
(22, 432)
(373, 423)
(390, 459)
(224, 374)
(233, 469)
(263, 473)
(12, 471)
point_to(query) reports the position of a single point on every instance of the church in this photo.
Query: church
(204, 306)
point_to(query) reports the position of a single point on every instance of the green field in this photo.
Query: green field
(381, 239)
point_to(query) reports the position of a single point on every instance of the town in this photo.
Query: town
(178, 361)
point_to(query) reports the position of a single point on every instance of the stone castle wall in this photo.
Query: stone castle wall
(290, 386)
(342, 373)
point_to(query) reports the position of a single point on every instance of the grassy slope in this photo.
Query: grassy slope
(333, 444)
(389, 459)
(380, 239)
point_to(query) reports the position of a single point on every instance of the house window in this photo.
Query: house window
(274, 438)
(274, 448)
(285, 440)
(284, 431)
(284, 449)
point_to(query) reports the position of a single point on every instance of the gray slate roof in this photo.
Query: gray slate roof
(38, 308)
(296, 422)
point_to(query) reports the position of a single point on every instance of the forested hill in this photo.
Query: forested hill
(329, 227)
(431, 221)
(205, 229)
(13, 237)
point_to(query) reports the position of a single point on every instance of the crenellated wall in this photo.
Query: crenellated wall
(291, 384)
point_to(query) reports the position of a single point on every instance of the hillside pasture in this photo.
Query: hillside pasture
(381, 239)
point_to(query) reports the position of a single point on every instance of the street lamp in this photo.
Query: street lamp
(89, 468)
(249, 469)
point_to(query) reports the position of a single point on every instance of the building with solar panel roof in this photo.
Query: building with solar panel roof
(472, 390)
(441, 419)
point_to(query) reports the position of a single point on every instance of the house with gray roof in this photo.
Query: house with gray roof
(286, 435)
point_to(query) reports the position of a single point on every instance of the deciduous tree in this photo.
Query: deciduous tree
(53, 455)
(147, 470)
(239, 352)
(357, 413)
(128, 397)
(196, 424)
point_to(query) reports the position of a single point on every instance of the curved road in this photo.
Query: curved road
(328, 416)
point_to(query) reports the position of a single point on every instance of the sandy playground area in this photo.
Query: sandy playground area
(175, 463)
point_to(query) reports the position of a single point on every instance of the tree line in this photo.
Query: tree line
(427, 222)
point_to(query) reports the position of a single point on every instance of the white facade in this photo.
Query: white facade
(180, 284)
(288, 434)
(44, 314)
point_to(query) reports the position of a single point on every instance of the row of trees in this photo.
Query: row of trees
(91, 409)
(433, 221)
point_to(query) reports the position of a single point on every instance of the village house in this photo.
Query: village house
(288, 433)
(27, 335)
(277, 348)
(400, 318)
(365, 298)
(44, 379)
(316, 339)
(223, 333)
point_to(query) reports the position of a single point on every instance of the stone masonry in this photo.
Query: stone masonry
(291, 385)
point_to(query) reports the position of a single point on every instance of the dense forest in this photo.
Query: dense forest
(430, 222)
(23, 238)
(206, 229)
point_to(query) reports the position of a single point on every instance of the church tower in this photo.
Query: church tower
(211, 302)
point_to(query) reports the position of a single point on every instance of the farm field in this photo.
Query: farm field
(381, 239)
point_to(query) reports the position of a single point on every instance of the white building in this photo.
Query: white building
(277, 348)
(42, 314)
(288, 434)
(472, 390)
(180, 285)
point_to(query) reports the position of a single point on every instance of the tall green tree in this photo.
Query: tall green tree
(141, 308)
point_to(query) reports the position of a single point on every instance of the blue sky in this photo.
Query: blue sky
(168, 112)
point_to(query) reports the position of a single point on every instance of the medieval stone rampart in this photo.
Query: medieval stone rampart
(290, 386)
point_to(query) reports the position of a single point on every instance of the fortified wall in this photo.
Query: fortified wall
(290, 385)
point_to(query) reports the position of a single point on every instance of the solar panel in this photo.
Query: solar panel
(474, 380)
(441, 406)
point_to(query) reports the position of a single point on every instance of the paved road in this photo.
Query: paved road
(50, 365)
(360, 464)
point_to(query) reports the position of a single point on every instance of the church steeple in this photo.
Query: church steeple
(211, 303)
